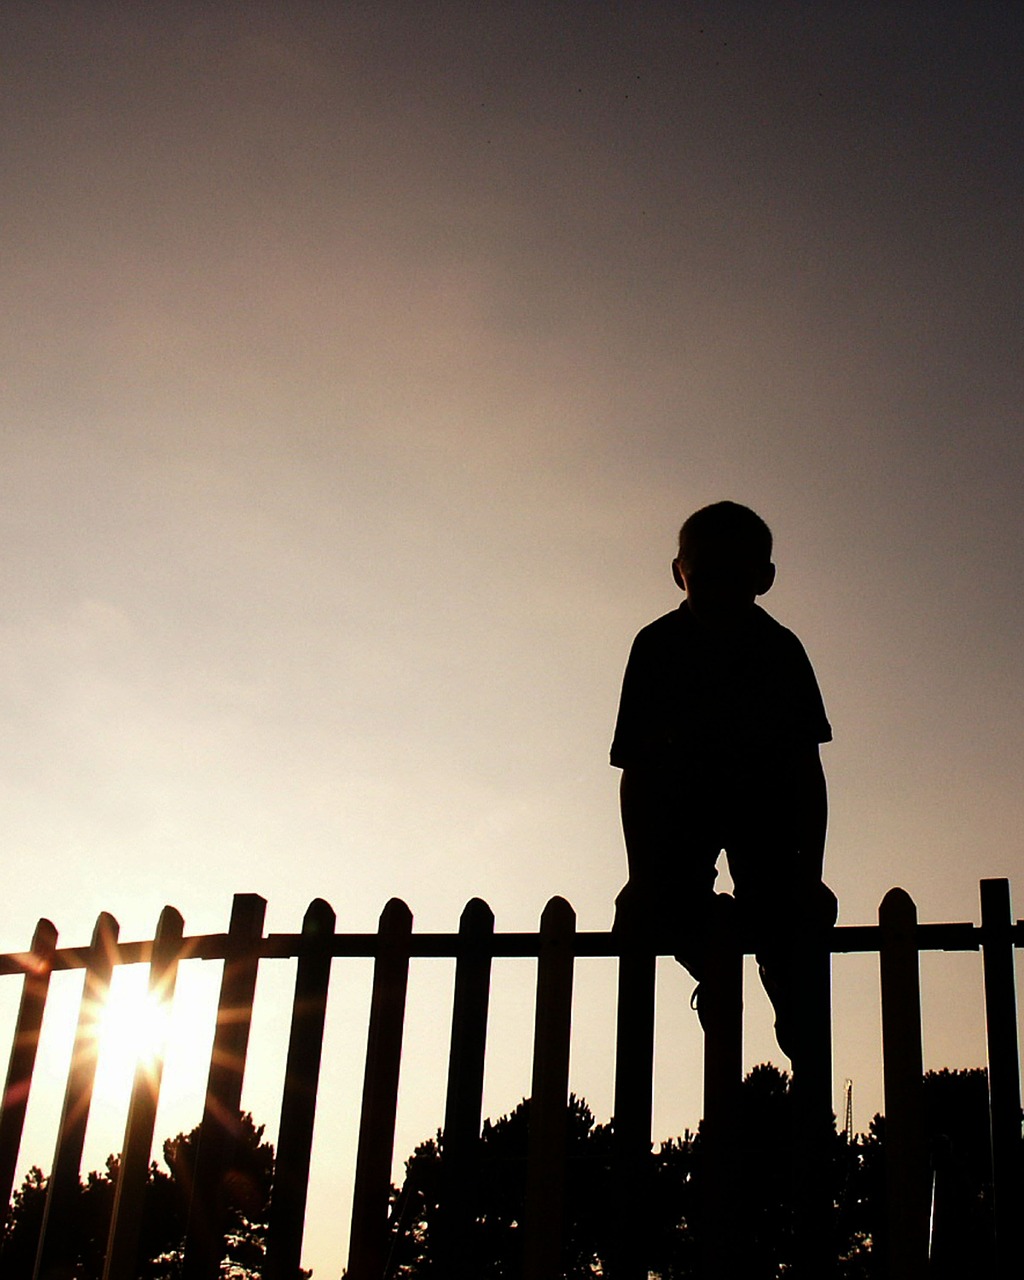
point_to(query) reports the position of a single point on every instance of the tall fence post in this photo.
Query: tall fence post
(298, 1101)
(204, 1235)
(634, 1100)
(126, 1216)
(721, 1002)
(546, 1144)
(1003, 1070)
(815, 1254)
(55, 1241)
(23, 1054)
(906, 1159)
(368, 1239)
(464, 1099)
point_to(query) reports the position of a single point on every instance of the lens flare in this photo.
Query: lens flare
(131, 1031)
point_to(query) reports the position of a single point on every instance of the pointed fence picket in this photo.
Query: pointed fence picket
(126, 1215)
(464, 1099)
(36, 967)
(298, 1103)
(62, 1192)
(898, 939)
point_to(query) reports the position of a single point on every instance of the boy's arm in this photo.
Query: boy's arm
(813, 804)
(642, 804)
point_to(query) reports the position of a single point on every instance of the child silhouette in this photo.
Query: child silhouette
(718, 733)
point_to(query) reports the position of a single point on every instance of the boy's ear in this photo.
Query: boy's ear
(677, 574)
(765, 579)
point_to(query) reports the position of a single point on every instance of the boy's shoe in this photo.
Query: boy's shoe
(700, 1004)
(709, 1013)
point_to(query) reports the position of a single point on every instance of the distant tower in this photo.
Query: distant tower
(848, 1126)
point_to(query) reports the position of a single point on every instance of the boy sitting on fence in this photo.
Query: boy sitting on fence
(717, 737)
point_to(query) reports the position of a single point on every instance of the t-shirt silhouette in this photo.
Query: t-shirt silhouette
(711, 702)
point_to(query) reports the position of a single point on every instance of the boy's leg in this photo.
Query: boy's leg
(670, 895)
(795, 974)
(788, 912)
(782, 956)
(780, 910)
(676, 914)
(713, 917)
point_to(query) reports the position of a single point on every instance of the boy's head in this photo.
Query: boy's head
(724, 561)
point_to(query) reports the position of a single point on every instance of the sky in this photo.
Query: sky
(359, 364)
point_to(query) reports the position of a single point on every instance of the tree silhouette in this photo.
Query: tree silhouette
(247, 1189)
(956, 1110)
(500, 1185)
(765, 1207)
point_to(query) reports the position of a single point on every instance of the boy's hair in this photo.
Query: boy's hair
(729, 528)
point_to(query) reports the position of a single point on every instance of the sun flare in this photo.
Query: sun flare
(138, 1028)
(131, 1028)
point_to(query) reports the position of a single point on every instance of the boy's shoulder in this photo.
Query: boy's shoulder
(680, 626)
(670, 623)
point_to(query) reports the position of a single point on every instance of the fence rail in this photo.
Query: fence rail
(846, 940)
(898, 939)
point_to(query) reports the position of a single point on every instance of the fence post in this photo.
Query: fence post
(721, 996)
(126, 1216)
(634, 1094)
(464, 1099)
(546, 1143)
(298, 1100)
(906, 1159)
(204, 1235)
(816, 1254)
(1003, 1069)
(368, 1240)
(55, 1240)
(23, 1055)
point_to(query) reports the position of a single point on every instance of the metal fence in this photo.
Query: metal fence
(898, 939)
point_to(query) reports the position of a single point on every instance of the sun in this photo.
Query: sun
(168, 1037)
(131, 1031)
